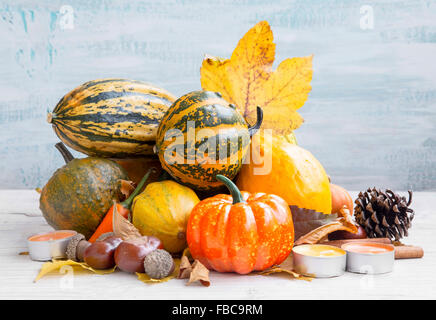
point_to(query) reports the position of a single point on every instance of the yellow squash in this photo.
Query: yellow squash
(162, 210)
(287, 170)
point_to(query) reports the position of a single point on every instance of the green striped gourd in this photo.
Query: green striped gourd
(187, 133)
(111, 117)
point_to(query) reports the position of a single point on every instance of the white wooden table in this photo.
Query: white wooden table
(20, 217)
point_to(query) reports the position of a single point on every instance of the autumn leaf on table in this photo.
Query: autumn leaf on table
(199, 273)
(122, 227)
(286, 267)
(306, 220)
(248, 80)
(56, 265)
(195, 272)
(343, 222)
(185, 268)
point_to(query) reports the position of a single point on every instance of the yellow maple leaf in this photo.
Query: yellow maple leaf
(55, 265)
(286, 266)
(248, 80)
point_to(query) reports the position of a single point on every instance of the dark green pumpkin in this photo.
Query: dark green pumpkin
(196, 163)
(79, 194)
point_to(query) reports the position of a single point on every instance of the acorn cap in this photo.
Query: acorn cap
(158, 264)
(76, 247)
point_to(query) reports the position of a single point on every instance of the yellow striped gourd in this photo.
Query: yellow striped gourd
(111, 117)
(202, 135)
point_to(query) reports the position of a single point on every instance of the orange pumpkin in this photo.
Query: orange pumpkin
(241, 232)
(340, 197)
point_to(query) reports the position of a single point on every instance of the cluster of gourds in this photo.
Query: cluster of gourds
(121, 123)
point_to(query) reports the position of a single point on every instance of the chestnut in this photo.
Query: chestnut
(345, 235)
(113, 241)
(130, 254)
(100, 254)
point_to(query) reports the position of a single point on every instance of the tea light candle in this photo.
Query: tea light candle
(369, 257)
(319, 260)
(48, 246)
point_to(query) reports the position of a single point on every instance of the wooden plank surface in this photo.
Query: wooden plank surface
(20, 217)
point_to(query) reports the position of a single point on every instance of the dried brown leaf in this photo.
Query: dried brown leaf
(187, 253)
(122, 227)
(278, 269)
(306, 220)
(344, 212)
(344, 222)
(285, 267)
(126, 188)
(199, 273)
(185, 268)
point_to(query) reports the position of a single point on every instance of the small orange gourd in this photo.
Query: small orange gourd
(241, 232)
(340, 198)
(123, 208)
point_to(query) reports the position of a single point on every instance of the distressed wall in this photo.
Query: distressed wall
(370, 118)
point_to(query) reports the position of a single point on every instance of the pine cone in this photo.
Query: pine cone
(384, 214)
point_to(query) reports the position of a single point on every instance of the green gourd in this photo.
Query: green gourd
(79, 194)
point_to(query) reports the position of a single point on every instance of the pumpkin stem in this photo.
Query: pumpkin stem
(253, 129)
(234, 191)
(128, 202)
(66, 154)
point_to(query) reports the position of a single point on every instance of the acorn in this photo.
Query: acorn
(76, 247)
(158, 264)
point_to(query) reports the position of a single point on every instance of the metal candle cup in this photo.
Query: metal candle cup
(319, 260)
(48, 246)
(369, 257)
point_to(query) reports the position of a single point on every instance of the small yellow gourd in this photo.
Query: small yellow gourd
(162, 210)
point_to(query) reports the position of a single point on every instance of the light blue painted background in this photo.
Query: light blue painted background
(370, 118)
